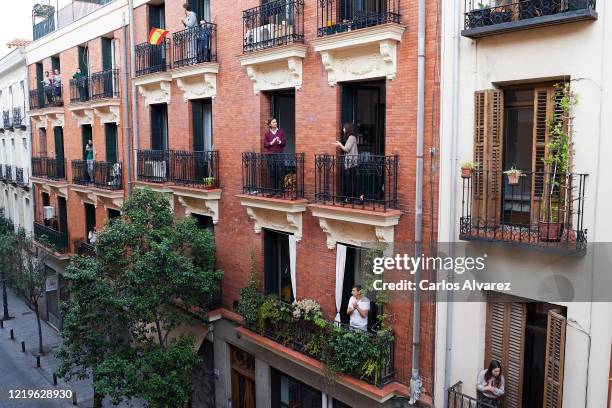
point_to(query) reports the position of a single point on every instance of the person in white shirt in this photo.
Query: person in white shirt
(490, 385)
(190, 21)
(191, 18)
(92, 236)
(358, 309)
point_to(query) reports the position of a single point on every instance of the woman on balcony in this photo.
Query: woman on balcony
(490, 385)
(351, 156)
(57, 85)
(48, 87)
(274, 143)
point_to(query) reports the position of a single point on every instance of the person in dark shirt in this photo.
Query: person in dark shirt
(274, 143)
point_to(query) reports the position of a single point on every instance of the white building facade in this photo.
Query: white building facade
(508, 71)
(15, 141)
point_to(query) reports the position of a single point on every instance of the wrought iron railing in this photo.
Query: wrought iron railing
(43, 27)
(6, 119)
(21, 177)
(85, 249)
(275, 23)
(46, 167)
(18, 119)
(79, 89)
(535, 208)
(456, 399)
(337, 16)
(273, 175)
(2, 173)
(57, 240)
(483, 13)
(364, 181)
(195, 169)
(37, 99)
(9, 173)
(81, 174)
(152, 58)
(107, 175)
(194, 45)
(66, 15)
(153, 166)
(104, 84)
(49, 96)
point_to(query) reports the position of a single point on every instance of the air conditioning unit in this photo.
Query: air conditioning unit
(48, 212)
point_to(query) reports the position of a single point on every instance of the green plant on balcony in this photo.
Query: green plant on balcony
(306, 309)
(209, 183)
(250, 298)
(277, 316)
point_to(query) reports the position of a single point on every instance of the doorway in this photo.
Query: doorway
(353, 275)
(86, 136)
(363, 104)
(110, 134)
(90, 219)
(63, 216)
(243, 378)
(60, 171)
(282, 107)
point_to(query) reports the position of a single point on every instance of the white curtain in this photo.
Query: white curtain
(340, 263)
(292, 251)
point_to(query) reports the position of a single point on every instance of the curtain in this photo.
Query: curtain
(340, 262)
(292, 253)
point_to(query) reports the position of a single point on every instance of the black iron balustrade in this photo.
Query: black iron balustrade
(43, 27)
(108, 175)
(536, 208)
(153, 166)
(46, 167)
(85, 249)
(364, 181)
(46, 235)
(18, 119)
(483, 13)
(278, 22)
(6, 119)
(21, 177)
(104, 84)
(79, 89)
(273, 175)
(195, 169)
(37, 99)
(152, 58)
(337, 16)
(2, 174)
(456, 399)
(194, 45)
(81, 174)
(9, 173)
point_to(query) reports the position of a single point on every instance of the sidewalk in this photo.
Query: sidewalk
(25, 329)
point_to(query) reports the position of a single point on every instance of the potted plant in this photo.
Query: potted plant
(514, 175)
(467, 168)
(479, 17)
(290, 182)
(209, 183)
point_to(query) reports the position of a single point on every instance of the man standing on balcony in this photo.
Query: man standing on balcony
(274, 142)
(203, 41)
(189, 22)
(358, 308)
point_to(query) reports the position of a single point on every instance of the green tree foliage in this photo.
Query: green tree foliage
(150, 275)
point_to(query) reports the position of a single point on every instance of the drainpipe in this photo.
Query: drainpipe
(452, 214)
(126, 113)
(134, 94)
(416, 384)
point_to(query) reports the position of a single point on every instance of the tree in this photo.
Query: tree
(30, 275)
(7, 243)
(150, 275)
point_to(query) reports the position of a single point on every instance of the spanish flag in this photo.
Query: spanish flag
(157, 36)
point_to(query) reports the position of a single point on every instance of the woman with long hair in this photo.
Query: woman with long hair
(274, 143)
(351, 156)
(490, 385)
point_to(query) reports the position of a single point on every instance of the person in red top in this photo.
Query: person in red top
(274, 143)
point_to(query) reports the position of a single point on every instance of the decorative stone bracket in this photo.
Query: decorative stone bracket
(205, 202)
(277, 214)
(82, 113)
(107, 111)
(360, 54)
(40, 117)
(199, 81)
(47, 186)
(56, 118)
(275, 68)
(39, 120)
(154, 88)
(355, 227)
(86, 195)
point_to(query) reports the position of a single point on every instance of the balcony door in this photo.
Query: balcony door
(86, 136)
(159, 127)
(108, 64)
(90, 218)
(354, 275)
(62, 210)
(58, 133)
(110, 135)
(201, 8)
(283, 109)
(363, 104)
(201, 112)
(243, 378)
(157, 17)
(277, 265)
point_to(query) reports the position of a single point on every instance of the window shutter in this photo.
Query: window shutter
(488, 154)
(505, 341)
(555, 359)
(542, 110)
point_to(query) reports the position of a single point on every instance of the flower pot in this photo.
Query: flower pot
(578, 5)
(466, 172)
(209, 187)
(527, 9)
(549, 7)
(513, 179)
(479, 18)
(550, 231)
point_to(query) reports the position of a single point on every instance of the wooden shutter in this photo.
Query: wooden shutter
(505, 342)
(488, 155)
(555, 359)
(542, 110)
(110, 132)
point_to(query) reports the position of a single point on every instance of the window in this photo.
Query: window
(283, 109)
(90, 219)
(86, 136)
(277, 265)
(287, 392)
(201, 112)
(201, 8)
(204, 222)
(110, 134)
(157, 18)
(113, 213)
(528, 339)
(159, 127)
(363, 104)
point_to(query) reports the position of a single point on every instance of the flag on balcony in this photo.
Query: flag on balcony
(157, 36)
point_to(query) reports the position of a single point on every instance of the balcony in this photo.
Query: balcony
(273, 175)
(44, 16)
(45, 98)
(51, 238)
(194, 45)
(103, 175)
(195, 169)
(152, 58)
(9, 174)
(21, 178)
(45, 167)
(85, 249)
(18, 118)
(543, 210)
(456, 399)
(491, 17)
(80, 173)
(37, 99)
(323, 342)
(104, 84)
(79, 90)
(2, 173)
(6, 119)
(339, 16)
(153, 166)
(273, 24)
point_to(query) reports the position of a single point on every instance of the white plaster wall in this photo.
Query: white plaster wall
(580, 51)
